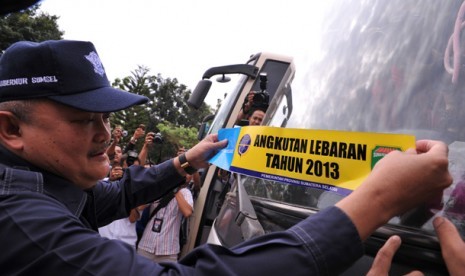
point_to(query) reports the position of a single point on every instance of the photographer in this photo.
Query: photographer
(248, 101)
(250, 113)
(138, 133)
(255, 105)
(114, 151)
(150, 139)
(130, 156)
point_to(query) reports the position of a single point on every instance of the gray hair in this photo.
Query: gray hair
(21, 109)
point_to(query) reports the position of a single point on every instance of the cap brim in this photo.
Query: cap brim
(8, 6)
(101, 100)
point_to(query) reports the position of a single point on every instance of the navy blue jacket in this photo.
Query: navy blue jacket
(47, 227)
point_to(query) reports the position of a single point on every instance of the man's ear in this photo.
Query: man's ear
(10, 131)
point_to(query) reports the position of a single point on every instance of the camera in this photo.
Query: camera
(124, 133)
(132, 156)
(261, 98)
(158, 139)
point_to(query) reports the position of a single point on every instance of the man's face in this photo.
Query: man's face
(67, 142)
(256, 118)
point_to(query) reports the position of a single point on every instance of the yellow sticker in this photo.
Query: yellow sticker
(330, 160)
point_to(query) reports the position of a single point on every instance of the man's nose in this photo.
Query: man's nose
(102, 131)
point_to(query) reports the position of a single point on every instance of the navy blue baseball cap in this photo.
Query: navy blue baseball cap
(65, 71)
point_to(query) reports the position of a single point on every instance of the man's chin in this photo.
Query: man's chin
(91, 180)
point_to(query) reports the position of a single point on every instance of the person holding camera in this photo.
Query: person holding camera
(138, 133)
(251, 114)
(255, 105)
(114, 151)
(130, 155)
(150, 139)
(246, 107)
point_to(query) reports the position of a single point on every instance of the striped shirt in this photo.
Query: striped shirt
(166, 242)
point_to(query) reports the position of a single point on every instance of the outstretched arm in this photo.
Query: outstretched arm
(399, 182)
(145, 148)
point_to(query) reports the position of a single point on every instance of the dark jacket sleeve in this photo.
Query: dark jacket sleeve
(324, 244)
(41, 237)
(114, 200)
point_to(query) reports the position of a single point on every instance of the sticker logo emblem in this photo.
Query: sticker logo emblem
(244, 144)
(379, 152)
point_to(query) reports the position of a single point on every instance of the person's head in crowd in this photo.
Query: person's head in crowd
(54, 108)
(118, 155)
(116, 173)
(181, 150)
(256, 116)
(118, 132)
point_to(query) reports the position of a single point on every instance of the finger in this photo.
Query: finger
(212, 137)
(435, 147)
(411, 151)
(415, 273)
(383, 259)
(223, 143)
(452, 245)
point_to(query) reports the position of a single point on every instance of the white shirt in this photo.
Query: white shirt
(122, 230)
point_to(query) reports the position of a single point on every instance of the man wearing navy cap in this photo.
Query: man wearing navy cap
(54, 132)
(55, 101)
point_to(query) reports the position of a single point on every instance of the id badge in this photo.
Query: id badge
(157, 223)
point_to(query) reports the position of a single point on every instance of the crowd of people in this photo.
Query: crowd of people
(153, 229)
(161, 241)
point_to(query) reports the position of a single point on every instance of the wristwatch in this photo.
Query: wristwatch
(185, 165)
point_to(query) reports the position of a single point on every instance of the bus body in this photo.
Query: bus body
(375, 66)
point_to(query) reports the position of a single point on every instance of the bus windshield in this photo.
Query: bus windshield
(224, 112)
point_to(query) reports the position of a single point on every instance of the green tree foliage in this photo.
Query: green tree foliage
(28, 25)
(177, 136)
(173, 137)
(166, 112)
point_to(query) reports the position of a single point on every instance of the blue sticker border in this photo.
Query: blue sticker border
(292, 181)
